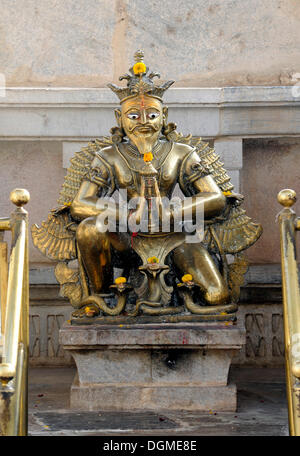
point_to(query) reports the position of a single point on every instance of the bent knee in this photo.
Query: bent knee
(89, 229)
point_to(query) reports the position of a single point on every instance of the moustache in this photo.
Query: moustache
(147, 125)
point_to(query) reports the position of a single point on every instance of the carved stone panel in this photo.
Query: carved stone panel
(264, 335)
(45, 323)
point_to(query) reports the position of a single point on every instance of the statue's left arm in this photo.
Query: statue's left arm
(199, 185)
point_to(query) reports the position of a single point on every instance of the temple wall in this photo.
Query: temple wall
(269, 165)
(234, 63)
(36, 166)
(88, 43)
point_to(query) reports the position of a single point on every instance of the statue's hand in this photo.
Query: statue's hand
(137, 214)
(160, 221)
(235, 198)
(168, 219)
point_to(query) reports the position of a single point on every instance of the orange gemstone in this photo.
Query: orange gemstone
(148, 156)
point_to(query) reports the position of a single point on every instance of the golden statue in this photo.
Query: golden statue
(163, 274)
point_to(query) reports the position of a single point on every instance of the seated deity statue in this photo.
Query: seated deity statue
(125, 248)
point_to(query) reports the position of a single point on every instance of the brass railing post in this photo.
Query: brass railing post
(14, 366)
(4, 225)
(24, 338)
(291, 305)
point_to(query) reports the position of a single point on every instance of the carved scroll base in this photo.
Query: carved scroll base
(209, 316)
(154, 367)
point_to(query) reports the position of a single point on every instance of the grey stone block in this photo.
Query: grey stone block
(161, 366)
(145, 397)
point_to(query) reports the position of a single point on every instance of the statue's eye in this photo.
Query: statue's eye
(133, 116)
(153, 115)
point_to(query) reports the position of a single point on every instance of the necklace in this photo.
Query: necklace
(133, 151)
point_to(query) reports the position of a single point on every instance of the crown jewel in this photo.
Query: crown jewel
(140, 81)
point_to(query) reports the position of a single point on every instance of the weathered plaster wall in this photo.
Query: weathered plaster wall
(36, 166)
(198, 43)
(268, 167)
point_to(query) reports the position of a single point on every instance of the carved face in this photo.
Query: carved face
(142, 118)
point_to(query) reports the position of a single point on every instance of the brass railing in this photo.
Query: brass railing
(14, 296)
(289, 224)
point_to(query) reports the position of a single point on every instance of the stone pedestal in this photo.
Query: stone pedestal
(162, 366)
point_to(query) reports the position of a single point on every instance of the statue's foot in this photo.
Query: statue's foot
(88, 310)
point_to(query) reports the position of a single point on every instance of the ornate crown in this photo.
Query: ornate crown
(140, 81)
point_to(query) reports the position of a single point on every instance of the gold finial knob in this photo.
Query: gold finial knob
(19, 196)
(287, 197)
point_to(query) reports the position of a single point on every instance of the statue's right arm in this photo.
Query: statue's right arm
(87, 202)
